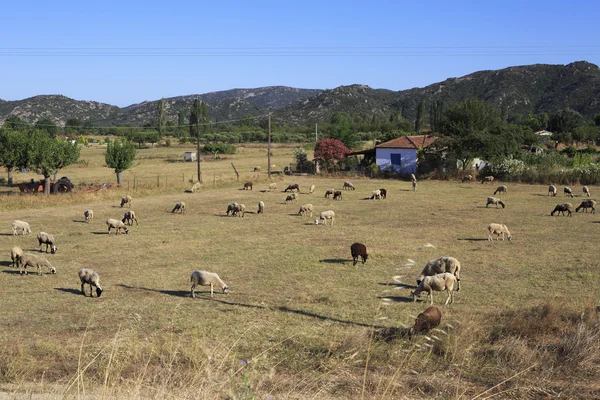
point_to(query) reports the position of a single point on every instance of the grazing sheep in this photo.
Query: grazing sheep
(256, 169)
(348, 186)
(20, 226)
(467, 178)
(358, 250)
(324, 216)
(32, 260)
(204, 278)
(230, 208)
(498, 229)
(126, 200)
(179, 207)
(383, 193)
(488, 179)
(16, 255)
(552, 190)
(427, 320)
(585, 204)
(306, 208)
(88, 215)
(129, 217)
(494, 201)
(439, 266)
(501, 189)
(239, 209)
(293, 187)
(261, 207)
(437, 283)
(562, 208)
(586, 191)
(248, 186)
(375, 194)
(118, 225)
(272, 186)
(568, 192)
(312, 189)
(337, 195)
(48, 240)
(329, 192)
(291, 197)
(91, 278)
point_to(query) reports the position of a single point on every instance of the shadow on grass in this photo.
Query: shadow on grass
(80, 221)
(335, 261)
(9, 234)
(473, 239)
(11, 271)
(101, 233)
(397, 299)
(176, 293)
(390, 334)
(324, 318)
(6, 263)
(69, 290)
(399, 285)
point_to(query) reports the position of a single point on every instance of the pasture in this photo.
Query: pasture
(299, 320)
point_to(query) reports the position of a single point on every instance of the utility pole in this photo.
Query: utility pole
(198, 140)
(269, 150)
(316, 133)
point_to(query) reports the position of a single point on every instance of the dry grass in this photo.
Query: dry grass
(299, 321)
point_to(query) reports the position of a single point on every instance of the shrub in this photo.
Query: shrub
(222, 148)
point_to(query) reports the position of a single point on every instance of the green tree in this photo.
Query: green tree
(73, 125)
(161, 117)
(194, 118)
(47, 125)
(420, 120)
(565, 121)
(120, 156)
(341, 128)
(12, 154)
(436, 113)
(14, 123)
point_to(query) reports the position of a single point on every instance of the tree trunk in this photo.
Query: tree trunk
(47, 185)
(56, 175)
(10, 177)
(119, 177)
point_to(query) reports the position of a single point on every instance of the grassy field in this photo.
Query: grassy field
(299, 320)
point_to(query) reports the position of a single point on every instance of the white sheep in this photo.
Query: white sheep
(179, 207)
(204, 278)
(231, 207)
(467, 178)
(552, 190)
(586, 191)
(291, 197)
(118, 225)
(239, 209)
(91, 278)
(306, 208)
(312, 189)
(585, 204)
(88, 215)
(48, 240)
(20, 226)
(349, 186)
(568, 192)
(329, 192)
(501, 189)
(261, 207)
(494, 201)
(129, 217)
(498, 229)
(437, 283)
(324, 216)
(376, 195)
(35, 261)
(439, 266)
(126, 200)
(16, 255)
(272, 186)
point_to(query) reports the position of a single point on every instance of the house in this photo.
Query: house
(189, 156)
(401, 153)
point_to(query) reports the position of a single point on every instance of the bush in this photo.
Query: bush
(168, 142)
(222, 148)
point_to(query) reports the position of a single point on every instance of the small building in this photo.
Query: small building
(189, 156)
(400, 154)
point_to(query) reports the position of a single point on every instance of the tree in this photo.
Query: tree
(420, 120)
(194, 118)
(436, 113)
(341, 128)
(12, 154)
(120, 156)
(14, 123)
(73, 125)
(47, 125)
(330, 150)
(161, 117)
(565, 121)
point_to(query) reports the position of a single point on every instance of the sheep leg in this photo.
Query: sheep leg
(193, 293)
(83, 289)
(448, 299)
(211, 290)
(430, 294)
(354, 260)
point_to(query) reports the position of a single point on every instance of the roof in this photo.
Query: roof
(408, 142)
(543, 133)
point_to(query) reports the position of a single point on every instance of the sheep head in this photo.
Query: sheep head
(53, 249)
(98, 291)
(52, 269)
(225, 288)
(317, 221)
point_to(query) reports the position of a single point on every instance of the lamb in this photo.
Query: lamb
(179, 207)
(230, 208)
(427, 320)
(126, 200)
(586, 191)
(337, 195)
(20, 226)
(437, 283)
(239, 209)
(32, 260)
(585, 204)
(16, 255)
(439, 266)
(358, 250)
(376, 194)
(88, 215)
(293, 187)
(272, 186)
(467, 178)
(48, 240)
(568, 192)
(118, 225)
(348, 186)
(306, 208)
(552, 190)
(291, 197)
(324, 216)
(248, 186)
(494, 201)
(204, 278)
(329, 192)
(488, 179)
(261, 207)
(383, 193)
(501, 189)
(312, 189)
(497, 229)
(562, 208)
(91, 278)
(129, 217)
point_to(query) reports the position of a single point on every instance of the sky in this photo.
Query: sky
(126, 52)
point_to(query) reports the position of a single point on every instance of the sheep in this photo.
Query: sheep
(427, 320)
(126, 200)
(292, 187)
(306, 208)
(467, 178)
(501, 189)
(562, 208)
(376, 194)
(272, 186)
(204, 278)
(88, 215)
(33, 260)
(552, 190)
(437, 283)
(291, 197)
(239, 209)
(568, 192)
(329, 192)
(494, 201)
(48, 240)
(230, 208)
(118, 225)
(247, 186)
(261, 208)
(585, 204)
(349, 186)
(179, 207)
(414, 182)
(325, 215)
(439, 266)
(358, 250)
(129, 217)
(16, 255)
(20, 226)
(337, 195)
(256, 169)
(586, 191)
(91, 278)
(488, 179)
(497, 229)
(383, 193)
(312, 189)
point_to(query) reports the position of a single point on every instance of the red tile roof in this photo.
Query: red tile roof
(408, 142)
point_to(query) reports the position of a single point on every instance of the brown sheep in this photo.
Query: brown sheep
(337, 195)
(293, 187)
(427, 320)
(248, 186)
(359, 250)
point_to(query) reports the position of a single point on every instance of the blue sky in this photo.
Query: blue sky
(125, 52)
